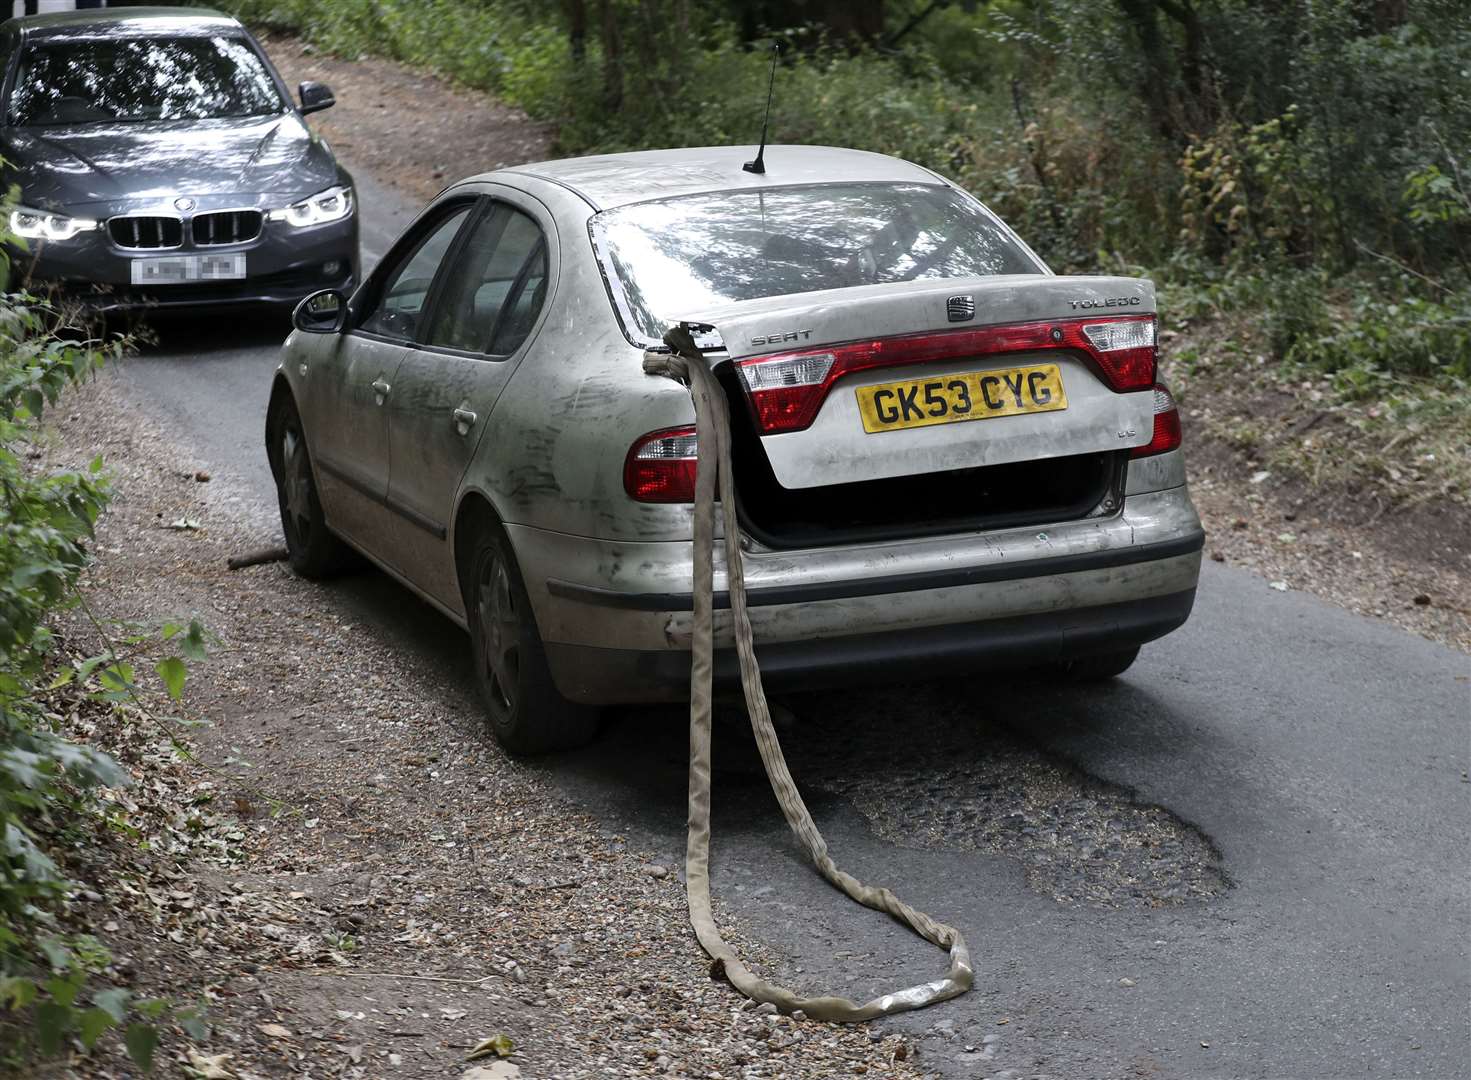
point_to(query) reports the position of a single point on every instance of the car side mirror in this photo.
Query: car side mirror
(322, 312)
(315, 97)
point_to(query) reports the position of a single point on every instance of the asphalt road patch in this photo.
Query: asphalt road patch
(933, 767)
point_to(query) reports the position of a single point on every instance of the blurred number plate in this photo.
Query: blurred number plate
(173, 269)
(949, 399)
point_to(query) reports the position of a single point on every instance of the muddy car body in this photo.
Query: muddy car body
(161, 162)
(948, 459)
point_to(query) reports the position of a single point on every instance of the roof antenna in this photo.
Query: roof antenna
(758, 166)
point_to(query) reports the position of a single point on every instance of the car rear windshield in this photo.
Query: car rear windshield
(124, 80)
(675, 257)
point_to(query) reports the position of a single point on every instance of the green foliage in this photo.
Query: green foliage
(1412, 336)
(49, 785)
(1433, 198)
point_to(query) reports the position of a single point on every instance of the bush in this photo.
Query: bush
(50, 785)
(1412, 336)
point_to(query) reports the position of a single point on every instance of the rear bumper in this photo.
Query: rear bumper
(607, 676)
(617, 621)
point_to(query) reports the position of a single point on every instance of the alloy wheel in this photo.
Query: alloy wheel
(296, 480)
(500, 632)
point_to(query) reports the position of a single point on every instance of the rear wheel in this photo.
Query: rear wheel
(525, 711)
(1099, 666)
(312, 549)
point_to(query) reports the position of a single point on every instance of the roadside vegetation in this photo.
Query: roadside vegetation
(1296, 177)
(61, 804)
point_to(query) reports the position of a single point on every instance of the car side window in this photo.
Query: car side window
(405, 291)
(494, 291)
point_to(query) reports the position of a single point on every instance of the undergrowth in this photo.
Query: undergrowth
(54, 788)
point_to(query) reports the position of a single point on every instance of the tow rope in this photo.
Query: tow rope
(712, 423)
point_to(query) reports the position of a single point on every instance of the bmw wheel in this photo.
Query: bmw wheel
(312, 549)
(526, 712)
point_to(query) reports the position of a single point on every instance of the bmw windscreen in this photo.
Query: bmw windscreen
(132, 80)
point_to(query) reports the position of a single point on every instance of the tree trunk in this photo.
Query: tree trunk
(612, 58)
(576, 12)
(1158, 69)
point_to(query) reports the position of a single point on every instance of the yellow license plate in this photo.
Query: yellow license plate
(949, 399)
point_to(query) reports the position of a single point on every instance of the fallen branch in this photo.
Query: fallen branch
(256, 558)
(1392, 261)
(415, 978)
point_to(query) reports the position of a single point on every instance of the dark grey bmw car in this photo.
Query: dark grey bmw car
(160, 160)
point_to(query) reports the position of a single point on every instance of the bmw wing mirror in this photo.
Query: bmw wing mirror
(315, 97)
(322, 312)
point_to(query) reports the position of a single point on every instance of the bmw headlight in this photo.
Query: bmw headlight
(44, 225)
(334, 204)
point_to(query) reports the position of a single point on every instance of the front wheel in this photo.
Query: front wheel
(1099, 666)
(312, 549)
(525, 711)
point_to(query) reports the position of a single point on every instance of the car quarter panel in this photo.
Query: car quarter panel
(552, 456)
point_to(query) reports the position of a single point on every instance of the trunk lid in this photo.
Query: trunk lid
(941, 375)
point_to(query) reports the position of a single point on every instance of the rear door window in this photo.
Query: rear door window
(493, 293)
(672, 257)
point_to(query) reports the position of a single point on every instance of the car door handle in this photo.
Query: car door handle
(381, 388)
(465, 420)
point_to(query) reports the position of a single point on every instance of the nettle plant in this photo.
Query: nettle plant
(53, 789)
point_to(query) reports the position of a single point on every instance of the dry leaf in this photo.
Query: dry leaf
(500, 1070)
(499, 1045)
(275, 1031)
(209, 1068)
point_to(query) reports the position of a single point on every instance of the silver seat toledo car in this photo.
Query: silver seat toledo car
(946, 456)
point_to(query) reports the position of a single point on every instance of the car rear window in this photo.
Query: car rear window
(670, 258)
(122, 80)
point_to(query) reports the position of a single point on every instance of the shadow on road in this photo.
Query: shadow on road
(206, 337)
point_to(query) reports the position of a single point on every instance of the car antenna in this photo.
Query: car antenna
(758, 164)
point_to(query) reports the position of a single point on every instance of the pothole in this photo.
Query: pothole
(926, 772)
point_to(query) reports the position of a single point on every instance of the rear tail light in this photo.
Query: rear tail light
(787, 390)
(660, 467)
(1167, 435)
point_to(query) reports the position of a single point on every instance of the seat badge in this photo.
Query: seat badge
(960, 308)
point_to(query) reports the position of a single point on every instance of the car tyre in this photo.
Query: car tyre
(312, 549)
(1099, 666)
(524, 709)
